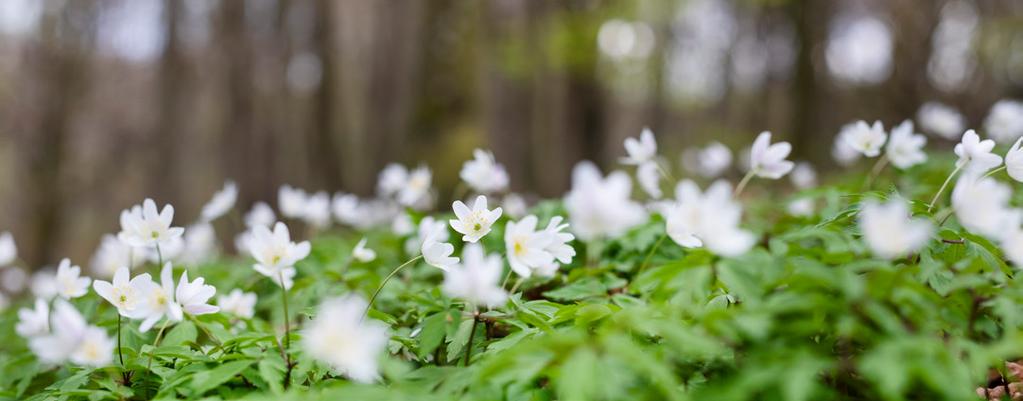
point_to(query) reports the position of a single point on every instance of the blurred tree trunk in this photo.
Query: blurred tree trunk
(172, 81)
(809, 142)
(324, 165)
(59, 63)
(237, 125)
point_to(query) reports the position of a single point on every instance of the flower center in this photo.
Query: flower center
(154, 235)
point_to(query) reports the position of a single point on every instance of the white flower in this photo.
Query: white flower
(526, 247)
(709, 162)
(261, 214)
(804, 176)
(558, 246)
(95, 348)
(649, 178)
(640, 150)
(113, 254)
(199, 244)
(34, 322)
(362, 253)
(866, 139)
(402, 225)
(476, 280)
(1005, 121)
(346, 208)
(600, 207)
(426, 226)
(392, 179)
(890, 231)
(317, 210)
(483, 174)
(67, 327)
(981, 205)
(275, 253)
(238, 303)
(44, 284)
(8, 249)
(339, 336)
(802, 207)
(194, 296)
(708, 219)
(436, 252)
(767, 160)
(941, 120)
(13, 279)
(975, 154)
(843, 153)
(70, 284)
(475, 223)
(416, 190)
(1014, 161)
(143, 226)
(158, 300)
(1012, 246)
(221, 203)
(905, 148)
(126, 295)
(292, 202)
(514, 205)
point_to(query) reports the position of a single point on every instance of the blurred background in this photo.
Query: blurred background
(105, 102)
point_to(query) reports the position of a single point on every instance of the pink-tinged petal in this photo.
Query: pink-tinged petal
(203, 309)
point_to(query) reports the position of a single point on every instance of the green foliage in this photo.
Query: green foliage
(807, 315)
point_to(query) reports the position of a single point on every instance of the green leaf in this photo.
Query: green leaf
(183, 332)
(209, 379)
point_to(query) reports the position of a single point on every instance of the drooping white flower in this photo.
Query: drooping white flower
(1005, 121)
(600, 207)
(975, 154)
(158, 301)
(768, 160)
(261, 214)
(142, 226)
(474, 223)
(275, 253)
(866, 139)
(476, 279)
(339, 336)
(362, 253)
(292, 202)
(70, 283)
(708, 162)
(113, 254)
(1014, 161)
(194, 296)
(436, 252)
(125, 294)
(426, 226)
(889, 229)
(526, 247)
(239, 303)
(640, 150)
(483, 174)
(559, 239)
(317, 210)
(34, 322)
(649, 178)
(981, 205)
(905, 148)
(221, 203)
(804, 176)
(709, 219)
(843, 153)
(941, 120)
(392, 179)
(416, 190)
(8, 249)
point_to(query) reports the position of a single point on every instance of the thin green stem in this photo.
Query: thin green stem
(159, 336)
(383, 283)
(876, 171)
(649, 255)
(472, 334)
(517, 284)
(287, 318)
(993, 172)
(742, 184)
(159, 257)
(506, 278)
(942, 189)
(205, 330)
(664, 172)
(120, 355)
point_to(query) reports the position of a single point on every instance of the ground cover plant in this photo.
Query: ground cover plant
(894, 281)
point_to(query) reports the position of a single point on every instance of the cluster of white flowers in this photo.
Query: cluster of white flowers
(64, 335)
(903, 148)
(708, 162)
(483, 174)
(600, 207)
(536, 251)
